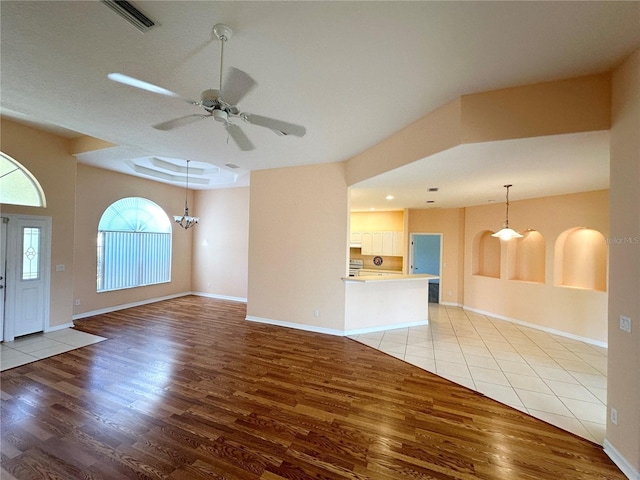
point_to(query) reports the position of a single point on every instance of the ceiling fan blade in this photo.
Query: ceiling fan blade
(275, 125)
(236, 85)
(238, 136)
(149, 87)
(179, 122)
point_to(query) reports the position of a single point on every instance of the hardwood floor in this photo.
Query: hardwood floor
(187, 389)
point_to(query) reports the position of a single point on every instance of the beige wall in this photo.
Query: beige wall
(96, 190)
(623, 391)
(549, 108)
(450, 223)
(377, 221)
(298, 242)
(578, 311)
(221, 242)
(46, 156)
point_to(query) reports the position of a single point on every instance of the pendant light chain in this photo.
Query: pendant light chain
(186, 191)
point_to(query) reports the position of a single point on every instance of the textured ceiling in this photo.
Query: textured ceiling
(351, 72)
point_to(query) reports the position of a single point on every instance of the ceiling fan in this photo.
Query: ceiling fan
(219, 104)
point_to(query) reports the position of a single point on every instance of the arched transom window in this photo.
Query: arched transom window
(17, 185)
(134, 245)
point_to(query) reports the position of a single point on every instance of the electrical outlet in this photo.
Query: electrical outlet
(625, 324)
(316, 313)
(77, 301)
(614, 416)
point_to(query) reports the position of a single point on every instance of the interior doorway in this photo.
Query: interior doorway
(27, 258)
(426, 257)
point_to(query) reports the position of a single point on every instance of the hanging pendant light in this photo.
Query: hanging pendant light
(507, 233)
(186, 221)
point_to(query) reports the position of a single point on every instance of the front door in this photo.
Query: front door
(27, 275)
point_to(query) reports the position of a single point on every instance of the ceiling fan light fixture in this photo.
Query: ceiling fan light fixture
(220, 116)
(507, 233)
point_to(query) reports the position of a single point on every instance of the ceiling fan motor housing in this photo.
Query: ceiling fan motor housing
(209, 99)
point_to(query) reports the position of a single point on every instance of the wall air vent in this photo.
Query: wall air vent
(131, 14)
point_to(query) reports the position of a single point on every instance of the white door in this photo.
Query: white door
(3, 271)
(28, 275)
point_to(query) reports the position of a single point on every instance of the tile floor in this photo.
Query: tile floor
(556, 379)
(37, 346)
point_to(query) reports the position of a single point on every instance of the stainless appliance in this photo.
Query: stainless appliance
(355, 265)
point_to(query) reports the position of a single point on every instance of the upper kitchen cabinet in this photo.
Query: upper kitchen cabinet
(378, 233)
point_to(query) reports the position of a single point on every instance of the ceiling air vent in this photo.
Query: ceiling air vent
(131, 14)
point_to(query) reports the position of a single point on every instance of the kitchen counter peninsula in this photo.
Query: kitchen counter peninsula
(376, 302)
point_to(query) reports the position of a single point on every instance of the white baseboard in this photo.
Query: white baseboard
(59, 327)
(450, 304)
(115, 308)
(333, 331)
(220, 297)
(298, 326)
(360, 331)
(621, 462)
(535, 326)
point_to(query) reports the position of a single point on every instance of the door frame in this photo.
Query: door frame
(14, 243)
(411, 257)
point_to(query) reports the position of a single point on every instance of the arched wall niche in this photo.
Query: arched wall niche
(486, 255)
(581, 259)
(527, 257)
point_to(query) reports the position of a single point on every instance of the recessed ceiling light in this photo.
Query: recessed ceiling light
(372, 209)
(433, 189)
(389, 197)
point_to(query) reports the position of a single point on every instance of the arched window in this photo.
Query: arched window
(17, 185)
(134, 245)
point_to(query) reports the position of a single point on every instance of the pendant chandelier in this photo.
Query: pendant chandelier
(186, 221)
(507, 233)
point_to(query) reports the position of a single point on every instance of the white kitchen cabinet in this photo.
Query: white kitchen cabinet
(377, 246)
(367, 243)
(397, 244)
(387, 243)
(379, 243)
(356, 238)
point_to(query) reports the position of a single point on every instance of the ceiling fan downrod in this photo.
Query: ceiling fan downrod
(222, 33)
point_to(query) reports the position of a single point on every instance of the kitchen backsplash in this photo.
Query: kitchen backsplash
(388, 262)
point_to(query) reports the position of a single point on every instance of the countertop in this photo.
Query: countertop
(388, 278)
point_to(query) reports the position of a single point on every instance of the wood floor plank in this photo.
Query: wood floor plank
(188, 389)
